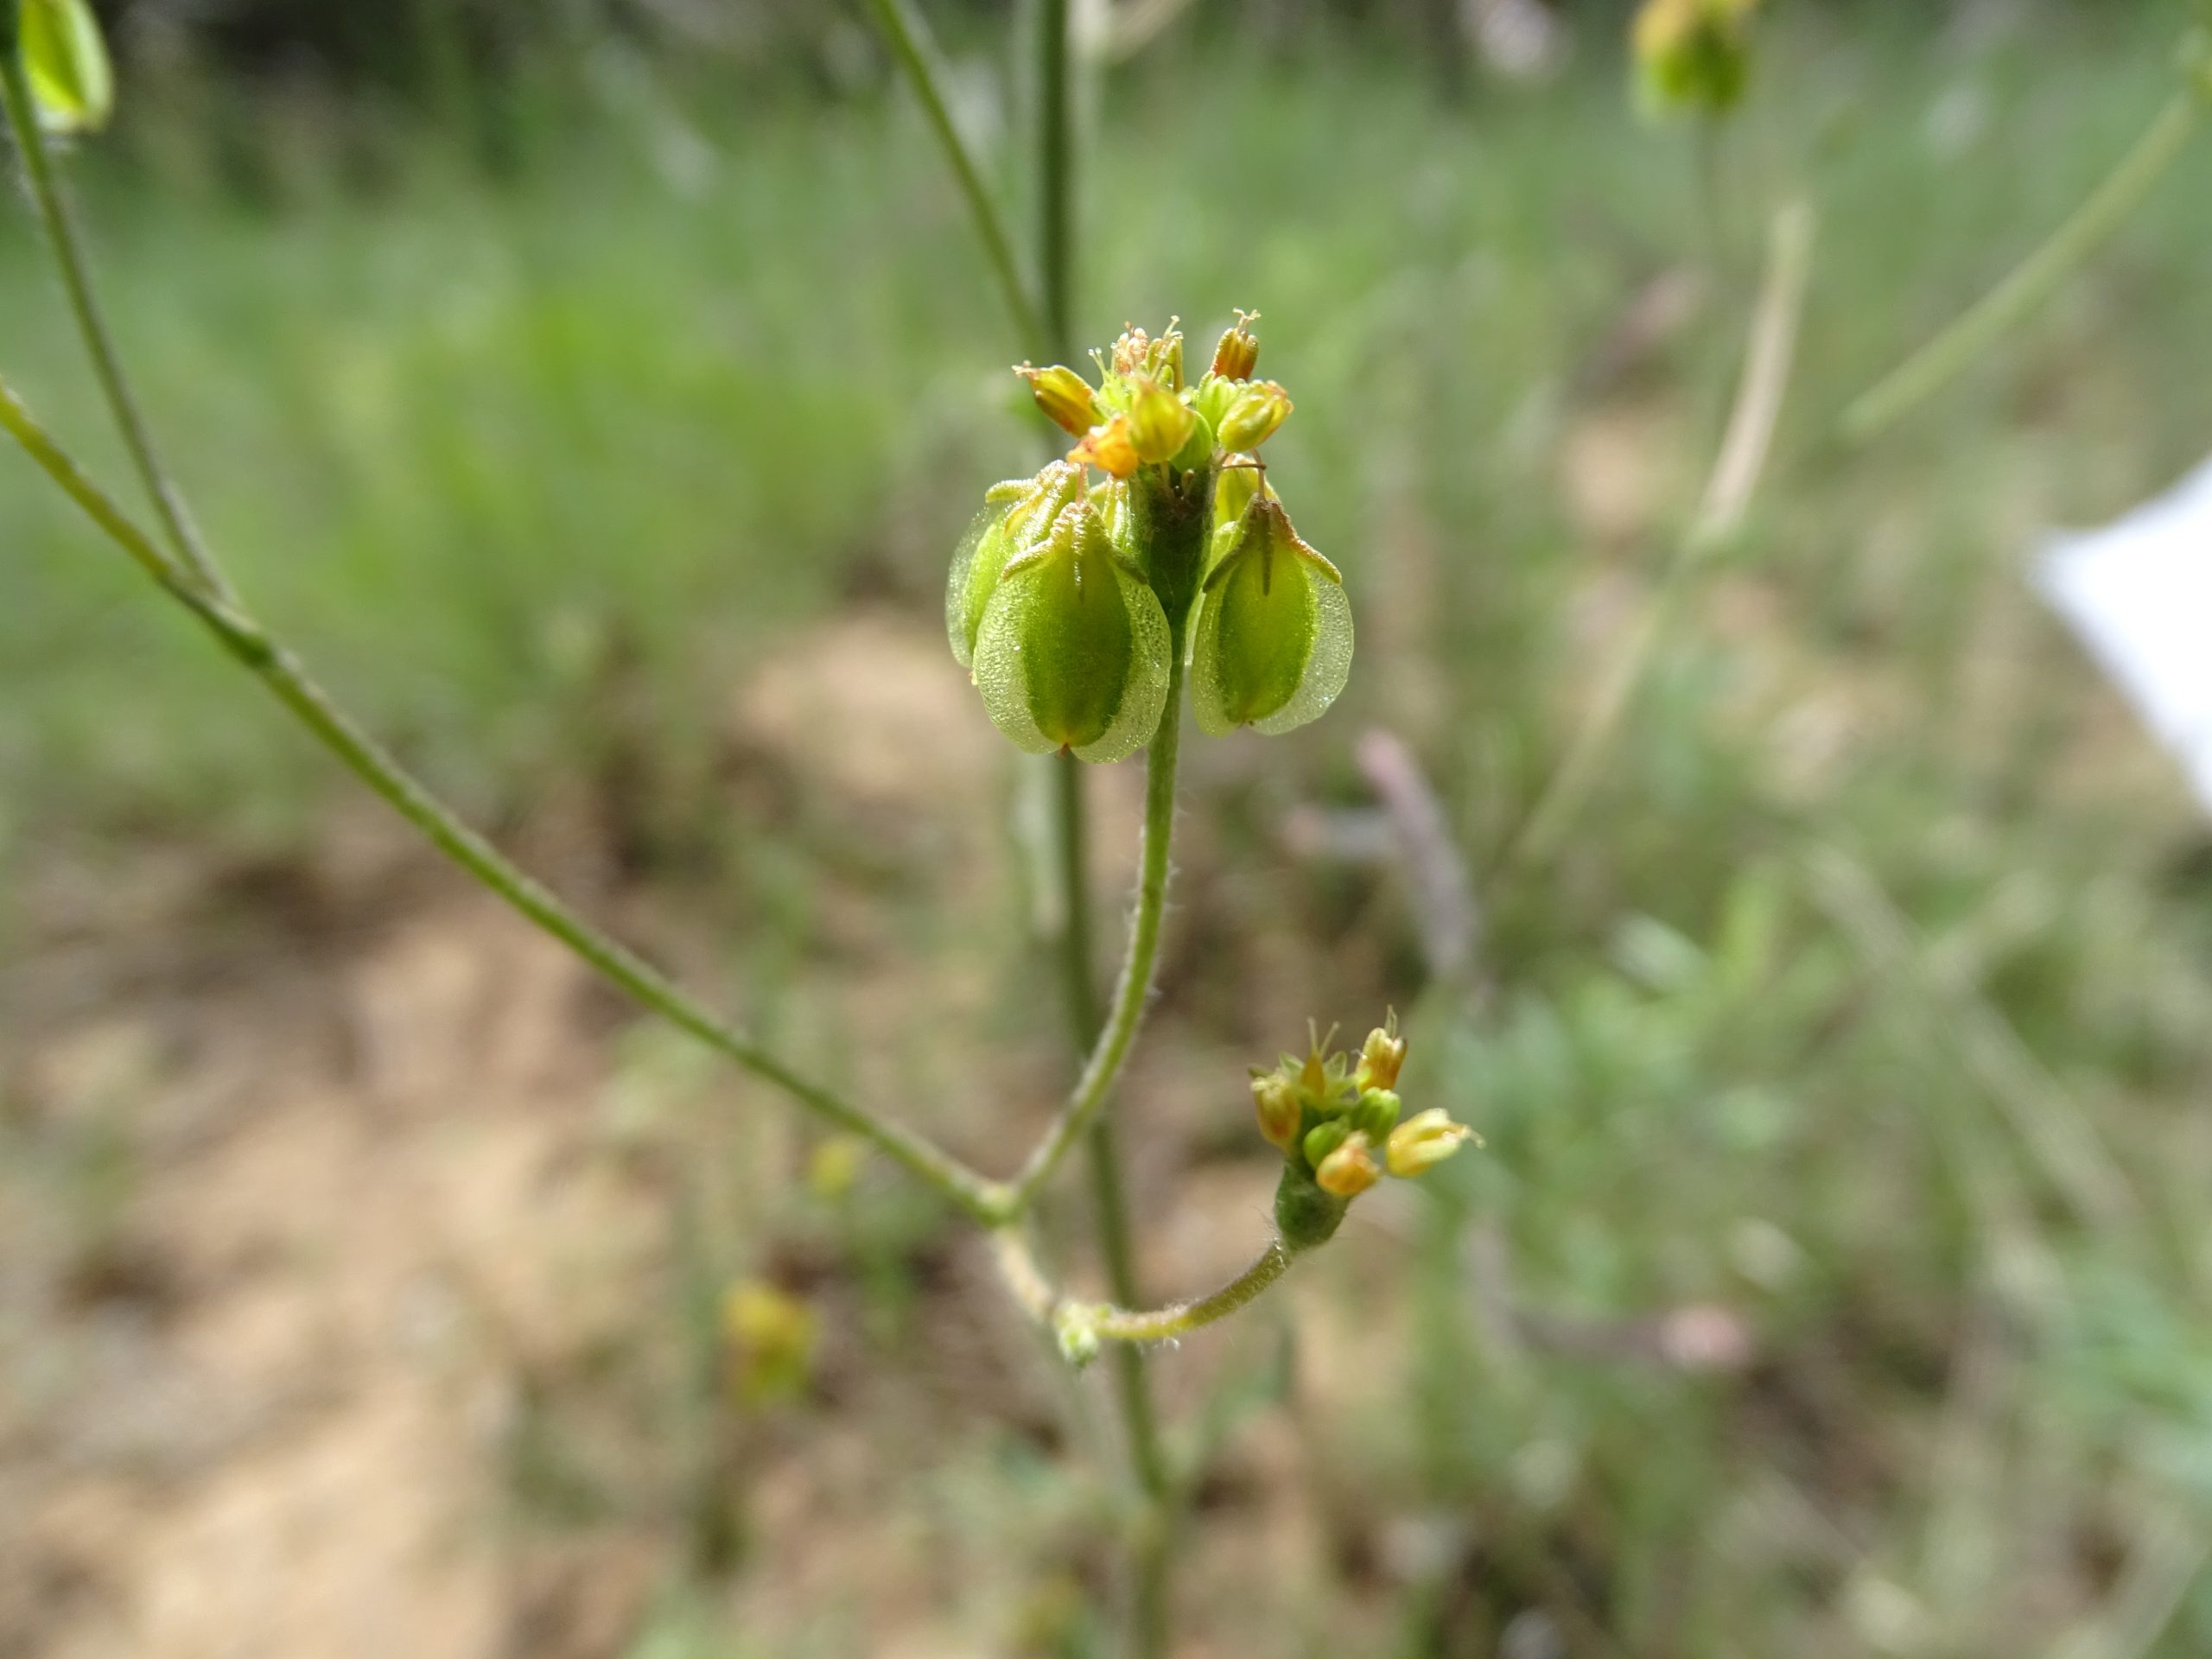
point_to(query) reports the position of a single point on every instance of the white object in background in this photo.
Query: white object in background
(2139, 593)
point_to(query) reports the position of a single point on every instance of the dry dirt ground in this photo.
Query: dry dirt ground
(325, 1188)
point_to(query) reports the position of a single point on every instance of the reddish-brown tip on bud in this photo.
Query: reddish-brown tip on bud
(1238, 354)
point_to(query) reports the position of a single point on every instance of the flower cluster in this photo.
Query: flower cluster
(1337, 1124)
(1072, 602)
(1693, 55)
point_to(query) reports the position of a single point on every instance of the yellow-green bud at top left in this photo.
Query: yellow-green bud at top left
(65, 59)
(1073, 650)
(1064, 396)
(1273, 641)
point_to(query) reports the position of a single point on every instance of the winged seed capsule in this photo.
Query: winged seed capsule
(1274, 635)
(1014, 513)
(1073, 649)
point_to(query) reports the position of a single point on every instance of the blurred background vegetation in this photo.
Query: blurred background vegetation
(593, 392)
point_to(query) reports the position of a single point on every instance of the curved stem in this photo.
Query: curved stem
(1134, 989)
(91, 326)
(2036, 278)
(1109, 1323)
(253, 647)
(1736, 471)
(923, 67)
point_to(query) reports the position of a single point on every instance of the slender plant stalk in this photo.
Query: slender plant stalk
(916, 50)
(1135, 987)
(1741, 457)
(1109, 1323)
(92, 325)
(2036, 277)
(253, 647)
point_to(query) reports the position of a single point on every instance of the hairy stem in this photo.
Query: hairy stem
(2037, 278)
(92, 325)
(1135, 987)
(1110, 1323)
(253, 648)
(911, 43)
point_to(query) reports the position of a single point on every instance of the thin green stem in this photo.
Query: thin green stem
(1737, 469)
(1135, 987)
(253, 648)
(1110, 1323)
(70, 258)
(2036, 278)
(916, 50)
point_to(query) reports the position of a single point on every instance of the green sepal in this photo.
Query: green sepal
(1305, 1215)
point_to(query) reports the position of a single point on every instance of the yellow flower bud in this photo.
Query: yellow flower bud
(1381, 1057)
(1349, 1170)
(1254, 415)
(1238, 354)
(1275, 1099)
(1424, 1140)
(1064, 396)
(771, 1335)
(1109, 448)
(1159, 422)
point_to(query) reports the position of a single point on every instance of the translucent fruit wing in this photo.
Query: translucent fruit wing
(976, 563)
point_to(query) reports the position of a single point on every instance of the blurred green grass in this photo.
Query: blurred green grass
(678, 383)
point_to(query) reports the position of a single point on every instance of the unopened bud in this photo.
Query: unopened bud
(1077, 1335)
(1159, 421)
(1276, 1104)
(1324, 1139)
(1349, 1170)
(1254, 415)
(1375, 1115)
(1238, 354)
(1425, 1140)
(1064, 396)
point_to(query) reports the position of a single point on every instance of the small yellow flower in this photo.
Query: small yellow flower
(1275, 1100)
(1160, 422)
(1424, 1140)
(1238, 354)
(1064, 396)
(1350, 1170)
(1107, 447)
(1254, 415)
(1382, 1057)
